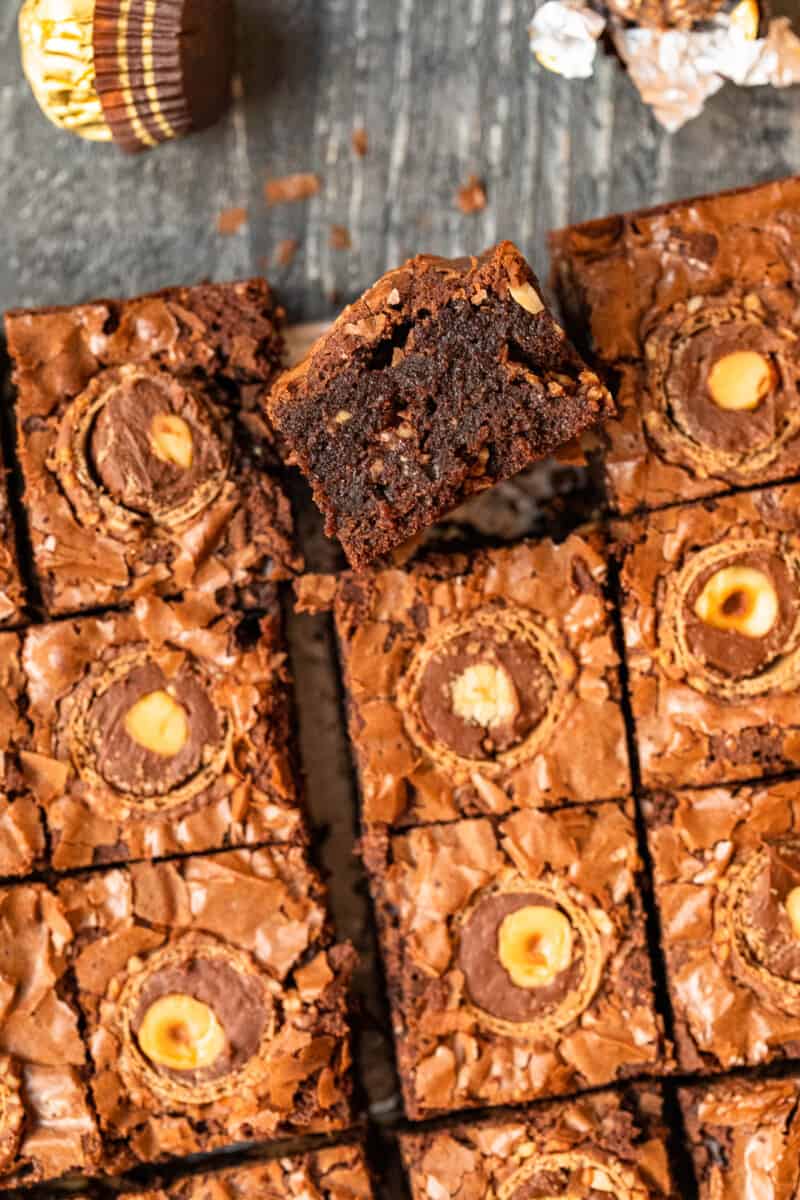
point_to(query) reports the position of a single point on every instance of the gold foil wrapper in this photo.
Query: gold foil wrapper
(58, 60)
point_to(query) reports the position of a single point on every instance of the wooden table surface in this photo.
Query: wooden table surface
(445, 89)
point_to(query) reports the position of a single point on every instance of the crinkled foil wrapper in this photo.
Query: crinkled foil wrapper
(675, 71)
(58, 60)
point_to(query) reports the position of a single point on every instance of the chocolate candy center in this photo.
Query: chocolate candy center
(150, 734)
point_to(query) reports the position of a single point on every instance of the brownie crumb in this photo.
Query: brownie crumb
(285, 252)
(231, 220)
(288, 189)
(361, 142)
(340, 238)
(471, 196)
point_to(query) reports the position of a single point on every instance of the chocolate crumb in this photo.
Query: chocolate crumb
(340, 238)
(361, 142)
(471, 196)
(288, 189)
(285, 252)
(231, 220)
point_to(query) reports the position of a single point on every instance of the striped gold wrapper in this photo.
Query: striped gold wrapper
(136, 72)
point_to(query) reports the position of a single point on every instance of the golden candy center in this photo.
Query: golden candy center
(484, 694)
(535, 945)
(181, 1033)
(158, 723)
(740, 381)
(740, 600)
(171, 440)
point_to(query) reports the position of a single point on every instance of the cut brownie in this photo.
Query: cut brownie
(482, 685)
(146, 456)
(744, 1136)
(446, 377)
(161, 730)
(333, 1173)
(606, 1144)
(12, 596)
(22, 843)
(666, 14)
(47, 1127)
(215, 1004)
(727, 874)
(693, 308)
(516, 957)
(712, 629)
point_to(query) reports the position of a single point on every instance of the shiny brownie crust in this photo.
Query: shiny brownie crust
(245, 932)
(712, 704)
(12, 593)
(665, 292)
(22, 839)
(445, 378)
(413, 643)
(115, 511)
(609, 1142)
(467, 1033)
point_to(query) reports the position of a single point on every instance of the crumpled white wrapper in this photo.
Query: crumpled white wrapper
(675, 71)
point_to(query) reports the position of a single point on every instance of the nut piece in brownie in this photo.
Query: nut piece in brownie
(12, 593)
(445, 378)
(22, 842)
(159, 731)
(744, 1135)
(46, 1123)
(516, 957)
(214, 1001)
(481, 685)
(712, 627)
(693, 307)
(727, 875)
(333, 1173)
(608, 1144)
(146, 455)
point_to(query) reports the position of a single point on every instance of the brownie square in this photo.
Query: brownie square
(471, 682)
(445, 378)
(692, 308)
(516, 957)
(148, 462)
(214, 1002)
(607, 1143)
(159, 731)
(332, 1173)
(712, 629)
(47, 1128)
(22, 842)
(12, 595)
(743, 1134)
(727, 875)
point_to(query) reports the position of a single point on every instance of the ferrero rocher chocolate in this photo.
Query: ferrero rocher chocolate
(135, 72)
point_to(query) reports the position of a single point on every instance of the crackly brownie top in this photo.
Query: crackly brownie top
(11, 591)
(727, 868)
(336, 1173)
(606, 1144)
(745, 1138)
(471, 678)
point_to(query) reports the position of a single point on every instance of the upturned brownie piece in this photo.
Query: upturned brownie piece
(712, 629)
(605, 1144)
(159, 731)
(333, 1173)
(727, 875)
(47, 1128)
(692, 307)
(446, 377)
(516, 957)
(744, 1135)
(22, 841)
(214, 1001)
(470, 682)
(12, 593)
(148, 463)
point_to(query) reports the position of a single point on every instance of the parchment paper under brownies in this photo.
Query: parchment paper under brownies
(158, 731)
(712, 630)
(470, 682)
(695, 309)
(22, 843)
(215, 1004)
(515, 956)
(745, 1137)
(335, 1173)
(46, 1124)
(445, 378)
(148, 463)
(727, 876)
(606, 1144)
(12, 594)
